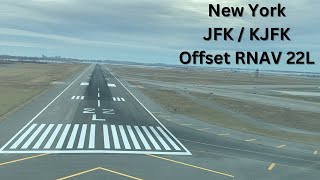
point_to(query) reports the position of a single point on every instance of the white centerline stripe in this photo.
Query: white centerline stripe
(98, 103)
(123, 99)
(43, 136)
(98, 94)
(78, 97)
(82, 97)
(165, 145)
(169, 139)
(115, 137)
(73, 136)
(82, 136)
(153, 141)
(73, 97)
(36, 116)
(63, 136)
(144, 141)
(16, 144)
(92, 136)
(114, 99)
(53, 136)
(133, 137)
(106, 137)
(315, 152)
(98, 89)
(33, 136)
(118, 99)
(124, 138)
(249, 140)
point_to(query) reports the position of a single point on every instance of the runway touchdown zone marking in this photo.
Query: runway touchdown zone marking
(82, 138)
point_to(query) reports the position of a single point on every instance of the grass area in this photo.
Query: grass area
(178, 103)
(204, 77)
(20, 82)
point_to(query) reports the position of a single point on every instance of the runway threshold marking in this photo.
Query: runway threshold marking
(154, 117)
(22, 159)
(190, 165)
(99, 168)
(36, 116)
(281, 146)
(271, 166)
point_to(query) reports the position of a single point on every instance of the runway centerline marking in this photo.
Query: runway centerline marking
(315, 152)
(271, 166)
(98, 103)
(99, 168)
(190, 165)
(249, 140)
(36, 116)
(281, 146)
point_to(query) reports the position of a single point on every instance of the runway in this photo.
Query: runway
(95, 127)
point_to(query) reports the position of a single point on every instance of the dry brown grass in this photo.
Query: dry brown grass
(20, 82)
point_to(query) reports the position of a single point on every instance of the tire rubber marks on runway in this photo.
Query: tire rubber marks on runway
(118, 99)
(72, 137)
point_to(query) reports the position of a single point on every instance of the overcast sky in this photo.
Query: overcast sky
(145, 30)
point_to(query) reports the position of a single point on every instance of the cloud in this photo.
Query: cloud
(139, 27)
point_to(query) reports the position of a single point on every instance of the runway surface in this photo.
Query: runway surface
(94, 127)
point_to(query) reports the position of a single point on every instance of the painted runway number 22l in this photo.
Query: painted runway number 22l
(94, 116)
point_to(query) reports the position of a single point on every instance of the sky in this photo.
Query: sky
(147, 30)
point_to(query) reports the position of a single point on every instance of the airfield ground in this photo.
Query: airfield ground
(20, 82)
(240, 101)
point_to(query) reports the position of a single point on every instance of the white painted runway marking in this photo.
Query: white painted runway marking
(106, 137)
(82, 97)
(169, 139)
(115, 137)
(124, 138)
(43, 136)
(16, 144)
(82, 136)
(78, 97)
(164, 144)
(118, 99)
(98, 94)
(73, 136)
(53, 136)
(98, 103)
(94, 118)
(153, 141)
(133, 138)
(84, 84)
(92, 136)
(73, 97)
(98, 89)
(108, 111)
(143, 139)
(111, 85)
(121, 137)
(88, 110)
(63, 136)
(33, 136)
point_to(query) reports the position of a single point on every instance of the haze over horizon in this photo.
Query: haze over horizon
(145, 31)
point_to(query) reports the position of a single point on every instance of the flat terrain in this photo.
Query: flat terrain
(20, 82)
(240, 101)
